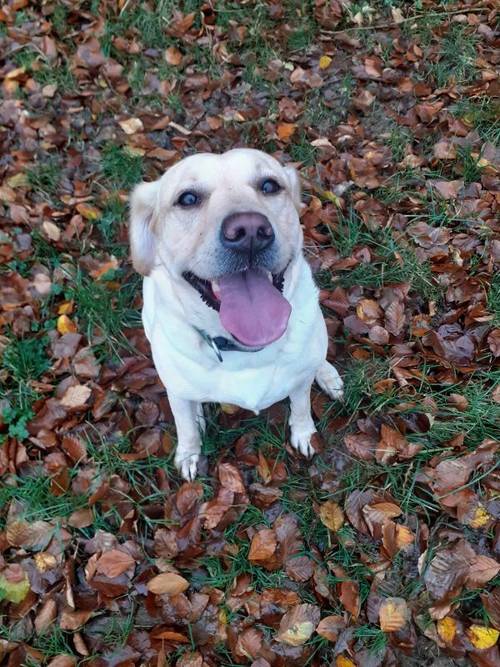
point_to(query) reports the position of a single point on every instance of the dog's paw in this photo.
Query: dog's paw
(330, 381)
(187, 465)
(300, 439)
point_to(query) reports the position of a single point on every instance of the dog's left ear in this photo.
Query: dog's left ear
(143, 203)
(293, 178)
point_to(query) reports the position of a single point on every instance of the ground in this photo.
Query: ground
(381, 550)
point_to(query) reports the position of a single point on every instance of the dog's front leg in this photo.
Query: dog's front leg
(301, 423)
(189, 421)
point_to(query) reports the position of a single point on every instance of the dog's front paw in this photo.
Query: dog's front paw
(330, 381)
(300, 439)
(187, 464)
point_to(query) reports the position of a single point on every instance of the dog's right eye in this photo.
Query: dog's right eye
(188, 199)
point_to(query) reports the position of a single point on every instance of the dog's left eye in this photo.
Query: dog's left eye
(270, 186)
(188, 199)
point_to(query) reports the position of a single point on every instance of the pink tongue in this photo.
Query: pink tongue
(251, 309)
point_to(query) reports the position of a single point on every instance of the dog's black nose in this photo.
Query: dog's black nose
(246, 232)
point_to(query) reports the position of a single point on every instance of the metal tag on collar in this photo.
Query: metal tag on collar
(211, 342)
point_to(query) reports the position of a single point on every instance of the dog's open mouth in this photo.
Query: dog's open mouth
(250, 303)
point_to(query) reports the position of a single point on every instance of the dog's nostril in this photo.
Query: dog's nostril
(246, 232)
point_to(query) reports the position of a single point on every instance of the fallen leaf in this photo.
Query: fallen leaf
(167, 583)
(324, 62)
(330, 627)
(331, 515)
(285, 130)
(447, 629)
(131, 125)
(14, 584)
(115, 562)
(76, 397)
(230, 478)
(393, 614)
(482, 637)
(263, 546)
(65, 325)
(298, 624)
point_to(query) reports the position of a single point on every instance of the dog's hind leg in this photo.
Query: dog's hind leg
(189, 421)
(301, 423)
(329, 380)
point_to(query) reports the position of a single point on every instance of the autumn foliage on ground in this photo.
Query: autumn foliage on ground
(381, 551)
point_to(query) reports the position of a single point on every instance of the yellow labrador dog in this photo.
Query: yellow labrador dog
(230, 306)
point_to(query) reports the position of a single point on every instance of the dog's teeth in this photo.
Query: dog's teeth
(269, 275)
(215, 288)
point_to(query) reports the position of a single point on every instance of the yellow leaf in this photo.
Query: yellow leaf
(65, 325)
(341, 661)
(88, 212)
(482, 637)
(19, 180)
(480, 518)
(66, 308)
(447, 629)
(324, 62)
(14, 591)
(331, 515)
(331, 196)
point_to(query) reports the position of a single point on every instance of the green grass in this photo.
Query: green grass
(120, 167)
(24, 360)
(493, 300)
(103, 312)
(34, 494)
(482, 113)
(113, 216)
(456, 63)
(393, 261)
(44, 177)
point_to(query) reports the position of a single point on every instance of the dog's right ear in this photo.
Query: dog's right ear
(143, 208)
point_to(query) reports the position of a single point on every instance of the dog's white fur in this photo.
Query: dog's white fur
(167, 240)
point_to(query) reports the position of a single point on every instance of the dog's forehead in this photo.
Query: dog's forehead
(234, 165)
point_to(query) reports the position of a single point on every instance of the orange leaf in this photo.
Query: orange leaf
(114, 562)
(168, 583)
(263, 546)
(447, 629)
(330, 626)
(285, 130)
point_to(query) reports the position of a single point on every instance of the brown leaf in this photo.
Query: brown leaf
(298, 624)
(349, 597)
(62, 661)
(173, 56)
(394, 614)
(249, 643)
(45, 616)
(361, 445)
(263, 546)
(230, 478)
(368, 311)
(395, 318)
(72, 619)
(331, 515)
(76, 397)
(167, 583)
(330, 627)
(114, 563)
(482, 570)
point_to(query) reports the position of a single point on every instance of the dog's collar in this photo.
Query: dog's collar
(220, 344)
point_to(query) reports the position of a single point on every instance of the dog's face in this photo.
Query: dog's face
(228, 225)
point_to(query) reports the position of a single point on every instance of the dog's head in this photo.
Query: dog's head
(228, 225)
